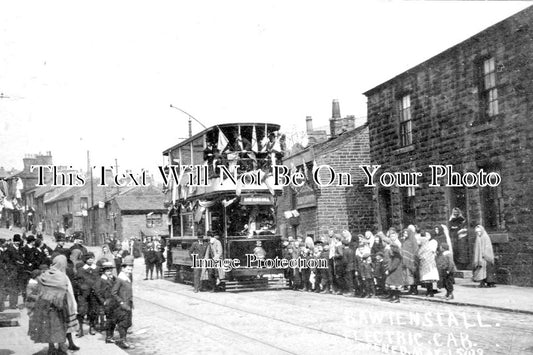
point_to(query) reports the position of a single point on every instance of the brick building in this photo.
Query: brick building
(338, 207)
(469, 107)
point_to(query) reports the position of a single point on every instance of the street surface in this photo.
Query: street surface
(170, 319)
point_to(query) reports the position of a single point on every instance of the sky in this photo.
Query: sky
(100, 76)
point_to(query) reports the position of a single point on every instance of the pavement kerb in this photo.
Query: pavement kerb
(466, 304)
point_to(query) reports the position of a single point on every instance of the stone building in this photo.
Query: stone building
(134, 212)
(468, 107)
(311, 210)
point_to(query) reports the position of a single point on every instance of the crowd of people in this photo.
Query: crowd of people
(370, 265)
(64, 289)
(386, 264)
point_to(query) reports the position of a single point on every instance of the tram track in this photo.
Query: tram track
(173, 310)
(427, 332)
(270, 318)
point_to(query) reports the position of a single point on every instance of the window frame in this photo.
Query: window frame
(489, 98)
(405, 119)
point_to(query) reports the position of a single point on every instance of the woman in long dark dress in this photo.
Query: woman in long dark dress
(54, 307)
(459, 238)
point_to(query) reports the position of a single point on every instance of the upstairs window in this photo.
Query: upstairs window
(488, 90)
(406, 137)
(84, 203)
(154, 220)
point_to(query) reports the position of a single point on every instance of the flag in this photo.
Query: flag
(174, 192)
(255, 147)
(276, 147)
(222, 140)
(315, 168)
(306, 172)
(226, 203)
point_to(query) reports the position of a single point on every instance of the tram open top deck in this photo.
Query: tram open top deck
(242, 214)
(253, 147)
(192, 148)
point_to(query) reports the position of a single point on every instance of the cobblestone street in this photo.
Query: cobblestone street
(169, 318)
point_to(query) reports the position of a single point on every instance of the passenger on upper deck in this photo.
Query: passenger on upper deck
(240, 153)
(212, 157)
(274, 147)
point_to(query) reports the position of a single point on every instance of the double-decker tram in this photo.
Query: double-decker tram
(223, 184)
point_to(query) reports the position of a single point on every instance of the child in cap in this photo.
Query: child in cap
(367, 276)
(446, 267)
(102, 289)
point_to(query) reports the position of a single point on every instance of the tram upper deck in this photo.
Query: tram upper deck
(219, 155)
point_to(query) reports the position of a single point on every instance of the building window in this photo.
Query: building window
(84, 203)
(154, 219)
(488, 90)
(406, 136)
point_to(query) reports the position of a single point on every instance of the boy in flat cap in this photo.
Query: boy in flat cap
(87, 302)
(106, 302)
(123, 295)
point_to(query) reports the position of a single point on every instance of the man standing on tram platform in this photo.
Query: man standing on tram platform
(199, 249)
(215, 253)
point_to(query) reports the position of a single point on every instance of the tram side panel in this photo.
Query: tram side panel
(238, 248)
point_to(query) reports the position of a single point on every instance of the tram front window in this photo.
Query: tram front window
(251, 220)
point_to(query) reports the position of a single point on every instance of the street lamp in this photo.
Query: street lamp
(190, 117)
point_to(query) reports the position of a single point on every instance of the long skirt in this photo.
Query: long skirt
(461, 251)
(485, 272)
(408, 277)
(48, 324)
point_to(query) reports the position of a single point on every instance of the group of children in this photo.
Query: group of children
(360, 266)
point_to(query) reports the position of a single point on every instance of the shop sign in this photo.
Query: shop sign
(256, 200)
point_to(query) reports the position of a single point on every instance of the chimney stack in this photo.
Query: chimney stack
(309, 124)
(336, 109)
(338, 125)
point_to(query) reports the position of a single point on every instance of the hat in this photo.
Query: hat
(365, 256)
(88, 256)
(17, 238)
(107, 265)
(128, 261)
(30, 239)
